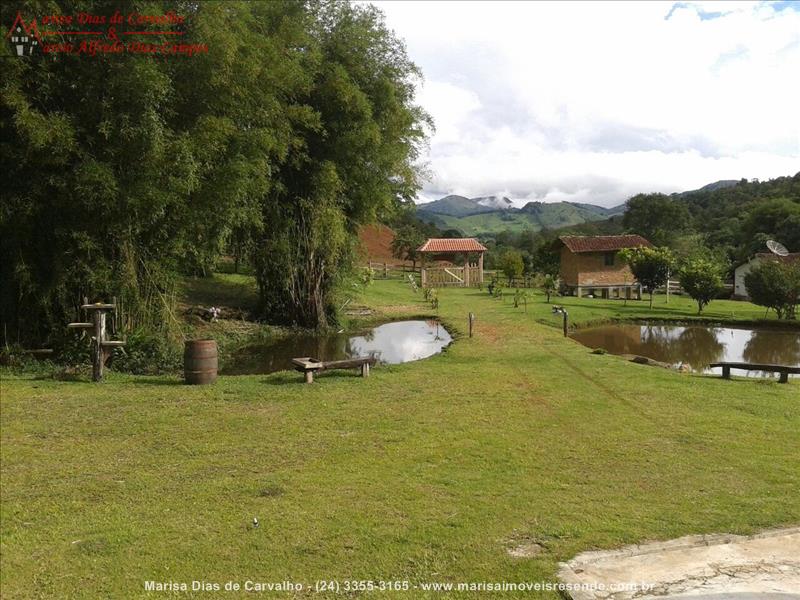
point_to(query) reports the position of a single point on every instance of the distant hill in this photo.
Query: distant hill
(715, 208)
(492, 214)
(460, 206)
(712, 187)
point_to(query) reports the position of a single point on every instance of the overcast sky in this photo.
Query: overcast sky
(596, 102)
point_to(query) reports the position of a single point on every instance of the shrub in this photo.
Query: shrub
(702, 280)
(775, 285)
(548, 284)
(512, 265)
(148, 354)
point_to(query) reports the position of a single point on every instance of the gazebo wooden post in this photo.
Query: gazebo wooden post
(480, 267)
(466, 270)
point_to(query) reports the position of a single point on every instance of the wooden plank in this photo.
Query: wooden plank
(757, 367)
(112, 344)
(449, 272)
(80, 326)
(98, 306)
(310, 364)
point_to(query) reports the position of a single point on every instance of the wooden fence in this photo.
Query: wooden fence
(452, 276)
(383, 270)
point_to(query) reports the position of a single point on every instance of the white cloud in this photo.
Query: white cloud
(597, 101)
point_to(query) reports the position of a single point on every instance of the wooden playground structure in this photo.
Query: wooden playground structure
(102, 346)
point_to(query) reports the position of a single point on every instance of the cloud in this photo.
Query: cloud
(598, 101)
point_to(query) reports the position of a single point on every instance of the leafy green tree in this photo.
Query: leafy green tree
(405, 244)
(548, 285)
(353, 160)
(657, 217)
(702, 280)
(776, 285)
(511, 265)
(777, 219)
(650, 266)
(123, 169)
(545, 260)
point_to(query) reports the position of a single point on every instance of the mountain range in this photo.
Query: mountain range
(492, 214)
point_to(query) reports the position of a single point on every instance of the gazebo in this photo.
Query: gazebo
(445, 248)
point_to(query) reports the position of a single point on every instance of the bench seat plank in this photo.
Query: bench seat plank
(309, 366)
(784, 370)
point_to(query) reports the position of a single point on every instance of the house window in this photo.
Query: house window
(608, 259)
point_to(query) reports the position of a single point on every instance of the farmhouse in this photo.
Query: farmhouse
(591, 265)
(739, 288)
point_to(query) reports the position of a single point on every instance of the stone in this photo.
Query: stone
(710, 566)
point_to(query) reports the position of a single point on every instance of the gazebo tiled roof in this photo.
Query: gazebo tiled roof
(452, 245)
(602, 243)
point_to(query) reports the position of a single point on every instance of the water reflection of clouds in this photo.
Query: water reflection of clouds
(698, 345)
(395, 343)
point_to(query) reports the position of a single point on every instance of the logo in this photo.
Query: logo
(24, 38)
(93, 34)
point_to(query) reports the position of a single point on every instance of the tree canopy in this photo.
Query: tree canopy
(124, 170)
(650, 266)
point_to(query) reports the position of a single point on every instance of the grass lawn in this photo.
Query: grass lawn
(425, 472)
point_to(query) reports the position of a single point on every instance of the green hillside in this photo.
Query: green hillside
(533, 216)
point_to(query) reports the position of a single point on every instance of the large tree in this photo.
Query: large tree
(354, 162)
(657, 217)
(405, 243)
(776, 285)
(650, 266)
(123, 170)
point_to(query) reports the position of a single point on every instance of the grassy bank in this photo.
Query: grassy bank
(428, 471)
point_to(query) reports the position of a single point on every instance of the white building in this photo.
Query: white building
(739, 289)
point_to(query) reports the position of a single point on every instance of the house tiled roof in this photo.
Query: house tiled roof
(602, 243)
(789, 258)
(452, 245)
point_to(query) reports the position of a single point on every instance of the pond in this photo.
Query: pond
(697, 345)
(391, 343)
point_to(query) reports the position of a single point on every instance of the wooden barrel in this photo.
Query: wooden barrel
(200, 362)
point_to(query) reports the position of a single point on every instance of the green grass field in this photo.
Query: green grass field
(425, 472)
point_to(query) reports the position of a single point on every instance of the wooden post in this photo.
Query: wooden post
(385, 271)
(309, 376)
(667, 289)
(471, 319)
(99, 319)
(114, 317)
(365, 370)
(480, 267)
(726, 372)
(466, 273)
(566, 323)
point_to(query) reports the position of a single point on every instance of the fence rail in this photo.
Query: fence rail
(384, 270)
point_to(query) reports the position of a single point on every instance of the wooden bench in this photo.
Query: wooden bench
(309, 366)
(784, 370)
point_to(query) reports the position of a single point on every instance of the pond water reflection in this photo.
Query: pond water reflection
(696, 345)
(391, 343)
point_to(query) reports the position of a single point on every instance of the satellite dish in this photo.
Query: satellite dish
(777, 248)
